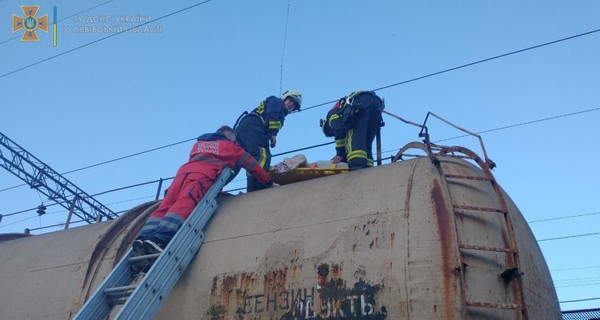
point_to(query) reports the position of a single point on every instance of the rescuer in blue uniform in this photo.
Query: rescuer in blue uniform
(257, 130)
(354, 122)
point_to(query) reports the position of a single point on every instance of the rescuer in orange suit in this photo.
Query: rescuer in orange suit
(354, 122)
(211, 153)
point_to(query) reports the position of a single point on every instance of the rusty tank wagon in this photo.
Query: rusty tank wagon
(431, 237)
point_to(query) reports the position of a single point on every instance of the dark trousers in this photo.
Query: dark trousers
(252, 135)
(359, 140)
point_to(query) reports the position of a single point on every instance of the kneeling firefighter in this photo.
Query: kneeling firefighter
(354, 122)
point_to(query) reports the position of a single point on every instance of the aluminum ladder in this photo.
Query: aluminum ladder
(512, 274)
(142, 300)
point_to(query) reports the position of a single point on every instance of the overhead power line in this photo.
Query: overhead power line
(287, 18)
(469, 64)
(576, 268)
(489, 59)
(572, 236)
(103, 38)
(578, 285)
(305, 148)
(579, 300)
(565, 217)
(524, 123)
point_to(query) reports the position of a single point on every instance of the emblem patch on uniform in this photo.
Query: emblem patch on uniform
(209, 147)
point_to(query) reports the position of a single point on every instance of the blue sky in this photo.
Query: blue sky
(93, 102)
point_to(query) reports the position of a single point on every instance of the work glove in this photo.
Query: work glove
(273, 141)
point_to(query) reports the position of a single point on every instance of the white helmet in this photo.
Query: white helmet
(294, 95)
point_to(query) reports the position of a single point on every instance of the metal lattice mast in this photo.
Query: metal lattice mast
(40, 176)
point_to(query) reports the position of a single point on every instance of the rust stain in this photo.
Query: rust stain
(213, 290)
(392, 236)
(229, 285)
(336, 270)
(275, 281)
(510, 261)
(248, 281)
(444, 225)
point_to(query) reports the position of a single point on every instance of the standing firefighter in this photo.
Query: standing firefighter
(354, 122)
(257, 130)
(209, 155)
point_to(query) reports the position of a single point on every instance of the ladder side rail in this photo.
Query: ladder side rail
(162, 277)
(164, 273)
(513, 256)
(461, 268)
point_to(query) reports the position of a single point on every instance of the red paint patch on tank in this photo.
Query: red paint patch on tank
(446, 244)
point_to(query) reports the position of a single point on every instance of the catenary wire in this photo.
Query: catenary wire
(301, 149)
(576, 268)
(571, 236)
(287, 18)
(565, 217)
(579, 300)
(578, 285)
(471, 64)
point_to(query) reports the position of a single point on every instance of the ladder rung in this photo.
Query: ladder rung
(458, 206)
(153, 256)
(119, 290)
(457, 176)
(493, 305)
(114, 301)
(484, 248)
